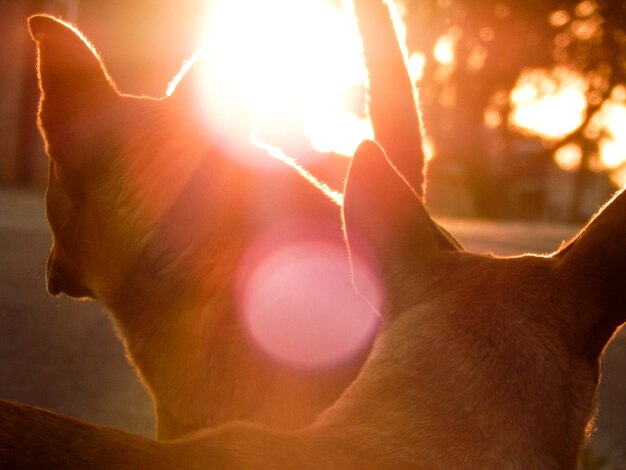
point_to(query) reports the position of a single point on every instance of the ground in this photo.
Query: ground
(63, 355)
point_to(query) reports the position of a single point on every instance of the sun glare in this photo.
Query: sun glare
(282, 63)
(549, 104)
(291, 62)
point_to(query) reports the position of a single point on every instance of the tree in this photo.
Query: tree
(468, 97)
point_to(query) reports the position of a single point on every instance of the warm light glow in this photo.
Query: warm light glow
(341, 132)
(568, 157)
(444, 50)
(299, 304)
(609, 126)
(549, 104)
(586, 8)
(613, 145)
(477, 58)
(416, 64)
(587, 28)
(430, 148)
(618, 93)
(278, 154)
(612, 152)
(500, 98)
(618, 177)
(559, 18)
(493, 118)
(291, 62)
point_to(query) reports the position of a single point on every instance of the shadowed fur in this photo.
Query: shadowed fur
(482, 362)
(151, 216)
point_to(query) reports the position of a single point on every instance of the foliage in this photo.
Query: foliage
(495, 45)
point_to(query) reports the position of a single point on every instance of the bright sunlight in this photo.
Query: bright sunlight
(292, 62)
(296, 69)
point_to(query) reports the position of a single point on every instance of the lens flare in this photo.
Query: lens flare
(299, 305)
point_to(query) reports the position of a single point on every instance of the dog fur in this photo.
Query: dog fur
(482, 362)
(151, 217)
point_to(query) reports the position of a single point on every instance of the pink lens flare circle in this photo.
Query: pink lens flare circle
(300, 307)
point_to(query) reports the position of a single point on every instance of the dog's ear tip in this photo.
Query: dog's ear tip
(369, 158)
(40, 24)
(368, 146)
(370, 151)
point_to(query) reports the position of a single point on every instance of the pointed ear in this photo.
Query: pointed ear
(381, 211)
(74, 84)
(593, 265)
(392, 101)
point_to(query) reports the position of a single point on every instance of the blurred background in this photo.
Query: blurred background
(524, 101)
(524, 104)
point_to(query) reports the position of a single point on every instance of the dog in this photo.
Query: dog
(481, 362)
(150, 216)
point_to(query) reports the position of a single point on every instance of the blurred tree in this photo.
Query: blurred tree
(477, 52)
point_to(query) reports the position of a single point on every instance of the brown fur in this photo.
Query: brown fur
(483, 362)
(150, 216)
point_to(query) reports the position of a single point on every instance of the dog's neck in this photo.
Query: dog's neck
(223, 377)
(180, 322)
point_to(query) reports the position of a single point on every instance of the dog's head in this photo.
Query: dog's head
(118, 166)
(489, 351)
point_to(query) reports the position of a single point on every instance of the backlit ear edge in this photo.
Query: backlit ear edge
(591, 267)
(382, 210)
(75, 89)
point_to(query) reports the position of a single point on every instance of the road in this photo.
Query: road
(63, 355)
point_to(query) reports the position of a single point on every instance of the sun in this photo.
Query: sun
(290, 62)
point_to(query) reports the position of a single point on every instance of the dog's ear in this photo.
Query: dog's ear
(384, 215)
(392, 101)
(591, 268)
(75, 87)
(393, 109)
